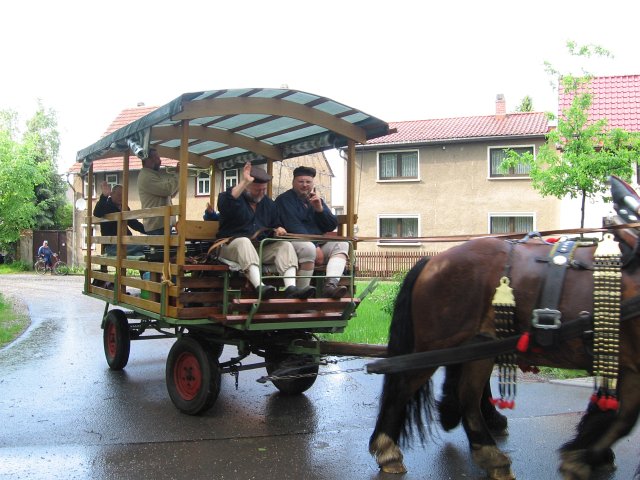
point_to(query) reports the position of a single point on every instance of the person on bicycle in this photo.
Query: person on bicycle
(46, 254)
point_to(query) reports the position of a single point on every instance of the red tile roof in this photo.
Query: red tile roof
(615, 98)
(114, 164)
(465, 128)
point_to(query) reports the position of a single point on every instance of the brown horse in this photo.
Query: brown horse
(446, 302)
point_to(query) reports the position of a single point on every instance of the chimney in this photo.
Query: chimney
(140, 104)
(501, 107)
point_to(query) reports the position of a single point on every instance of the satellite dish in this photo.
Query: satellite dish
(81, 204)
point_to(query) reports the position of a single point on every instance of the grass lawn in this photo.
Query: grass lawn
(12, 323)
(371, 324)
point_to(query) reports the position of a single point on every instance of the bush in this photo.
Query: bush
(385, 298)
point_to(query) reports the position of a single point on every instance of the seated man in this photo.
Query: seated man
(245, 212)
(303, 211)
(110, 201)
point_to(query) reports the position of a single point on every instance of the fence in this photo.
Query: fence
(386, 264)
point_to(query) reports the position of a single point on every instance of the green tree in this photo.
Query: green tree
(42, 138)
(19, 175)
(526, 105)
(579, 155)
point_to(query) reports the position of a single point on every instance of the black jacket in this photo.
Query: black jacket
(104, 206)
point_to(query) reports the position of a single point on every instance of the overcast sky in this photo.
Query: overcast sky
(402, 60)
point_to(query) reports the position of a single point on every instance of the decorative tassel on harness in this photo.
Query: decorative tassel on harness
(607, 279)
(504, 306)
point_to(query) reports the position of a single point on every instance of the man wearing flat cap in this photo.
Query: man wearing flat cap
(245, 214)
(303, 211)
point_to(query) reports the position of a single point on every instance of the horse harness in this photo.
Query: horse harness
(546, 327)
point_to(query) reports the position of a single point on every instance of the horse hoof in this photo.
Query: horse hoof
(573, 466)
(501, 473)
(496, 463)
(393, 467)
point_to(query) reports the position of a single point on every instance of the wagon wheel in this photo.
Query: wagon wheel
(40, 267)
(60, 268)
(116, 339)
(192, 376)
(276, 359)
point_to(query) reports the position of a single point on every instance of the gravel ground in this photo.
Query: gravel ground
(19, 287)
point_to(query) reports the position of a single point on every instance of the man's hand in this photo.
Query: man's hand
(279, 231)
(106, 189)
(315, 201)
(246, 173)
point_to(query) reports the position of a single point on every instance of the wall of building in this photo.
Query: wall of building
(453, 196)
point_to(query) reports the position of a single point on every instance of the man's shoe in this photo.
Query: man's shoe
(332, 290)
(303, 292)
(266, 291)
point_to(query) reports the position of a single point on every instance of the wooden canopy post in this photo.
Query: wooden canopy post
(212, 187)
(351, 189)
(89, 218)
(270, 172)
(182, 190)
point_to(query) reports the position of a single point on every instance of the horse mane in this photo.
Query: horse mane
(401, 339)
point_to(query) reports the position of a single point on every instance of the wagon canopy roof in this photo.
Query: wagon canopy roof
(227, 128)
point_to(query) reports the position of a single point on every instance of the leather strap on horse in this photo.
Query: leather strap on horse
(607, 279)
(504, 306)
(488, 348)
(478, 349)
(546, 319)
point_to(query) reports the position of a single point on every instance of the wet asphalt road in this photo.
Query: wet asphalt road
(65, 415)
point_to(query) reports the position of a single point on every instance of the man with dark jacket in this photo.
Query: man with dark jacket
(110, 201)
(303, 211)
(247, 215)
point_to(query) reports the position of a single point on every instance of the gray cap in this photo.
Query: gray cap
(260, 175)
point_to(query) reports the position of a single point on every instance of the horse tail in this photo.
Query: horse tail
(419, 411)
(401, 329)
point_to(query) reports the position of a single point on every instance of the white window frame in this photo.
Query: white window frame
(499, 176)
(111, 179)
(397, 179)
(231, 178)
(85, 186)
(201, 182)
(532, 215)
(84, 235)
(382, 242)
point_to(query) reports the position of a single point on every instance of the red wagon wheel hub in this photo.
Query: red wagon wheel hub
(187, 376)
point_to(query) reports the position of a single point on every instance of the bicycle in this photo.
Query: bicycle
(59, 267)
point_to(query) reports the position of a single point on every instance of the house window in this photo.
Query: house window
(398, 227)
(520, 223)
(230, 178)
(111, 179)
(85, 231)
(85, 187)
(498, 154)
(203, 183)
(398, 165)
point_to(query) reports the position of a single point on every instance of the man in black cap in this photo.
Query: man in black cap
(303, 211)
(245, 214)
